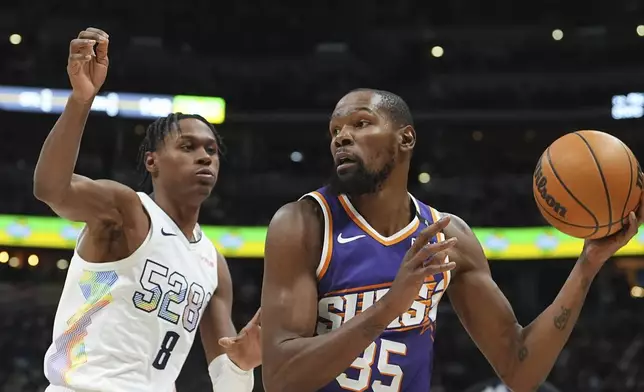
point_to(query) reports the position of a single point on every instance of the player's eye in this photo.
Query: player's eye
(186, 147)
(211, 150)
(362, 124)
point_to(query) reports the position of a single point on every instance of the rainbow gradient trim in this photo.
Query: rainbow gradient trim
(499, 243)
(70, 352)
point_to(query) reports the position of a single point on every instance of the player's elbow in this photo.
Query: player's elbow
(45, 192)
(270, 382)
(275, 381)
(281, 375)
(274, 376)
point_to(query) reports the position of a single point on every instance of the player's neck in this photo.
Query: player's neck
(183, 214)
(388, 210)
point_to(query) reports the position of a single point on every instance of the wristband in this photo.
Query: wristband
(228, 377)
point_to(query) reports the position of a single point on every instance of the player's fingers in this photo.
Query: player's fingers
(79, 45)
(85, 34)
(433, 269)
(79, 57)
(98, 31)
(101, 51)
(632, 228)
(254, 332)
(76, 61)
(227, 342)
(431, 251)
(426, 235)
(256, 318)
(438, 259)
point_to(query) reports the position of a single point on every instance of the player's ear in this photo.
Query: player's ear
(151, 162)
(407, 137)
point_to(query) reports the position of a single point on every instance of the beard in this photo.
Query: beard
(360, 181)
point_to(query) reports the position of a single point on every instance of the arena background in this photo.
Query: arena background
(491, 84)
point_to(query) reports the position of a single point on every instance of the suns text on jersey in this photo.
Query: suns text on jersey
(336, 308)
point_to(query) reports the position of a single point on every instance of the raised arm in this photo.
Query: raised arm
(231, 359)
(294, 358)
(72, 196)
(521, 356)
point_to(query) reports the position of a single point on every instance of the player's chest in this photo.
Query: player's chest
(359, 259)
(175, 285)
(361, 273)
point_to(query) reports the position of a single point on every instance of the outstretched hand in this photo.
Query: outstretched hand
(597, 252)
(245, 349)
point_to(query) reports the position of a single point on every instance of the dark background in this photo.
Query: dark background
(503, 90)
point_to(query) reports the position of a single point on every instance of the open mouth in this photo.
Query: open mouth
(344, 161)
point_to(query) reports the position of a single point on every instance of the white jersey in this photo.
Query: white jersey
(129, 325)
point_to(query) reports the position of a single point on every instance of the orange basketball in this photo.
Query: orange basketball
(586, 183)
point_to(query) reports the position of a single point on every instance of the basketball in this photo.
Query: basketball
(586, 183)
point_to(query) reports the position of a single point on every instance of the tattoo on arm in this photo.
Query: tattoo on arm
(562, 319)
(523, 353)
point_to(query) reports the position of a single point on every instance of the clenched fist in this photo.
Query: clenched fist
(87, 63)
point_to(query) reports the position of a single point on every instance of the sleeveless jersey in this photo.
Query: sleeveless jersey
(357, 267)
(129, 325)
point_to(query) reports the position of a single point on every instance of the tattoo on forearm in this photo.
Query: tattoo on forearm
(562, 319)
(523, 353)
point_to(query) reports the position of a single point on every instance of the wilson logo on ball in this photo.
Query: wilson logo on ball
(541, 182)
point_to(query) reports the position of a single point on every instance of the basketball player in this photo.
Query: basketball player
(143, 277)
(354, 272)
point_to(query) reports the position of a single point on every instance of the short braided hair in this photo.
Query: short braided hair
(154, 136)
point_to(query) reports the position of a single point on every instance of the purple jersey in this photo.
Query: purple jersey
(356, 269)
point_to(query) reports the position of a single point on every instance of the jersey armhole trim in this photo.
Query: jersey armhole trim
(327, 241)
(215, 279)
(440, 237)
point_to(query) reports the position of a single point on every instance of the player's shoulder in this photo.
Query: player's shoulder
(468, 252)
(113, 206)
(119, 190)
(296, 228)
(457, 226)
(206, 244)
(305, 210)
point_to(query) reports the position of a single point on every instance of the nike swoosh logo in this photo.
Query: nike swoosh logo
(167, 234)
(342, 240)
